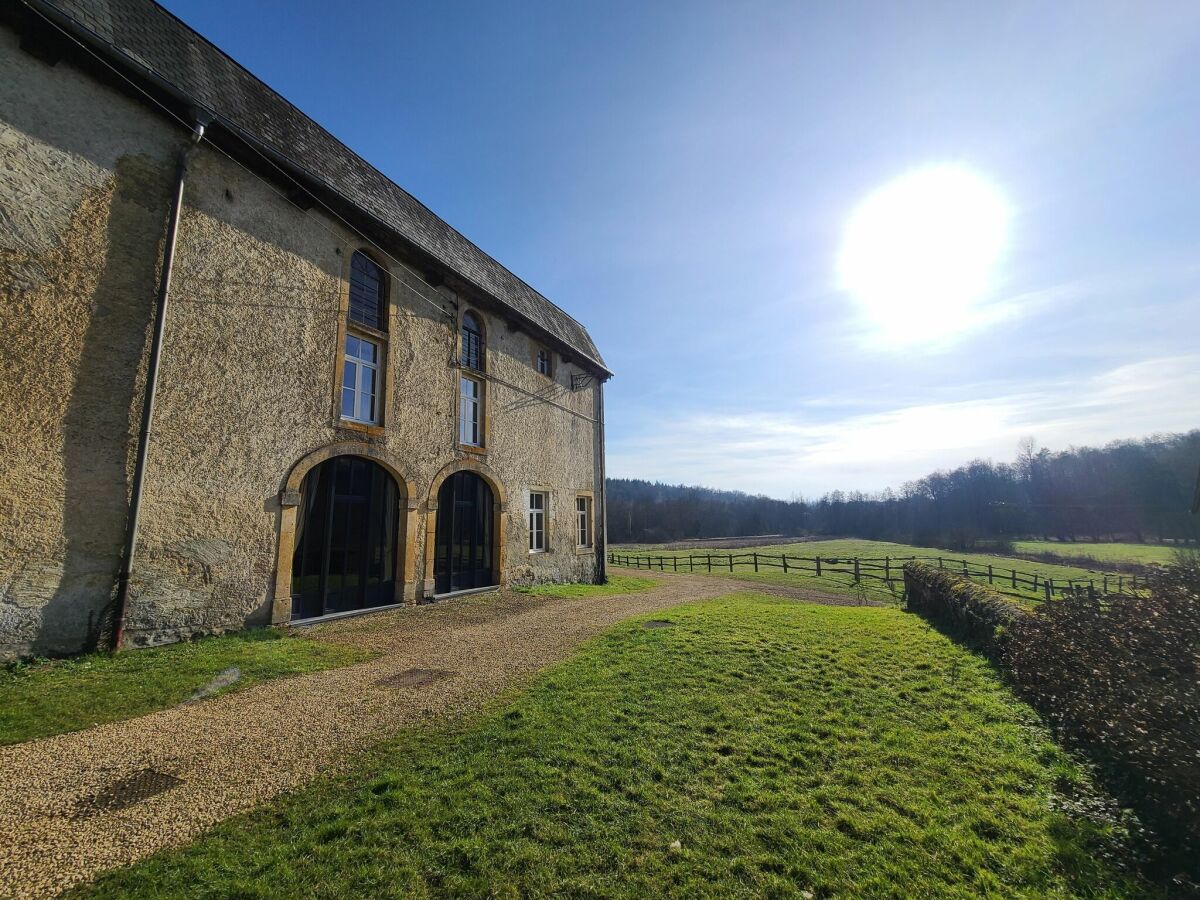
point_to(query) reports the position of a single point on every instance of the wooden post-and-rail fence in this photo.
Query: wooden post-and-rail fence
(885, 568)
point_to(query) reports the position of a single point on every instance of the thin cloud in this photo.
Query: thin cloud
(782, 454)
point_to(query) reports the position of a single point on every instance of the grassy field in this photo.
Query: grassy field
(753, 747)
(871, 588)
(52, 697)
(1141, 554)
(617, 584)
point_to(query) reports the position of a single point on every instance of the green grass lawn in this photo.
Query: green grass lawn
(756, 747)
(1142, 554)
(617, 584)
(38, 700)
(872, 588)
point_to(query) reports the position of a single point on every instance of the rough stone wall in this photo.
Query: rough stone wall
(247, 386)
(83, 188)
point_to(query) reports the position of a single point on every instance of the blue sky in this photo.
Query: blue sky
(680, 177)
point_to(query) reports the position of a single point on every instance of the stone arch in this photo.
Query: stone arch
(406, 531)
(499, 508)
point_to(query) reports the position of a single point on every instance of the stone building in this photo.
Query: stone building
(352, 405)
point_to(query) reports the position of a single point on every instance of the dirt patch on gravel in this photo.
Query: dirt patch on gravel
(184, 769)
(414, 678)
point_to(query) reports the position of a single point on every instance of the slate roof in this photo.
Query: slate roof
(144, 34)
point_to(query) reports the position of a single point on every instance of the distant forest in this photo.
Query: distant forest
(1129, 490)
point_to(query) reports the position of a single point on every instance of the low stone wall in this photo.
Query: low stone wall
(972, 613)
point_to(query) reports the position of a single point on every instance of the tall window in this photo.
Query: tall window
(545, 362)
(583, 521)
(537, 521)
(366, 341)
(368, 292)
(360, 380)
(472, 357)
(469, 405)
(472, 343)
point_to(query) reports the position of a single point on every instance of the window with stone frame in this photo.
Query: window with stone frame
(470, 411)
(583, 522)
(365, 344)
(472, 386)
(539, 504)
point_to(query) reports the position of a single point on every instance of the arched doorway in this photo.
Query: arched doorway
(463, 551)
(345, 543)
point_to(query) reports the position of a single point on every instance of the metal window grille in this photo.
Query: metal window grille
(368, 293)
(472, 343)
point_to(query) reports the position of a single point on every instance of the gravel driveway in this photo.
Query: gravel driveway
(76, 804)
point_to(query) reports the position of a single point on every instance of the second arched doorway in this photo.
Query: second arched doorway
(463, 557)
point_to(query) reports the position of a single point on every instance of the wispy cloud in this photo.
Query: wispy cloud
(784, 453)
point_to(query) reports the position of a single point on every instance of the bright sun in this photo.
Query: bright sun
(918, 254)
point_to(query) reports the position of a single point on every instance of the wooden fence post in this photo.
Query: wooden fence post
(1014, 579)
(755, 554)
(989, 574)
(1120, 584)
(784, 557)
(939, 562)
(887, 568)
(1106, 584)
(818, 567)
(730, 562)
(1049, 585)
(856, 575)
(708, 556)
(675, 563)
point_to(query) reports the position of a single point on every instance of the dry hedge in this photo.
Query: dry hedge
(1118, 676)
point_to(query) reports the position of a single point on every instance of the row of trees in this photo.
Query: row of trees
(1132, 490)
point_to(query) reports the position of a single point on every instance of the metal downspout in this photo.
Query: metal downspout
(143, 447)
